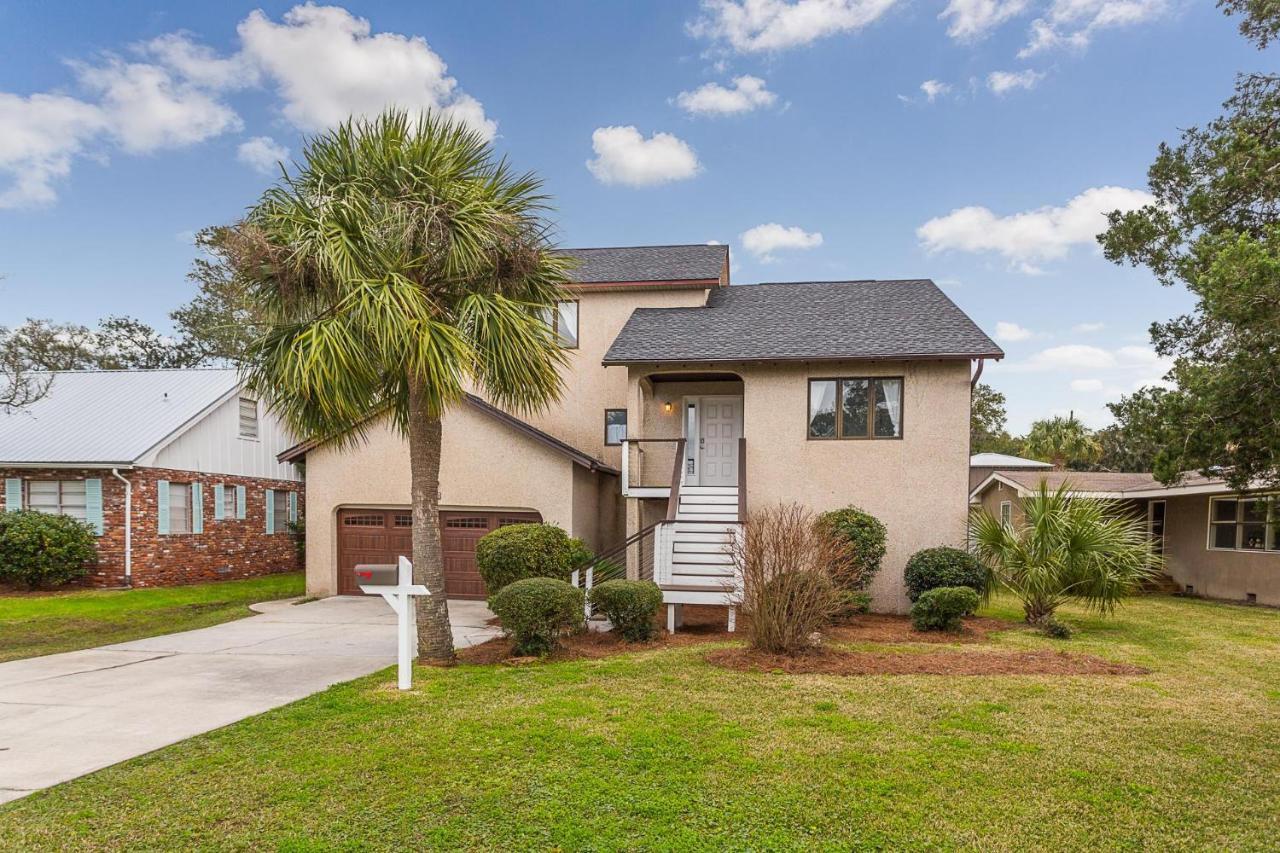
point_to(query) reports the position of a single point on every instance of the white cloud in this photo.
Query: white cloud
(262, 154)
(1071, 356)
(1127, 360)
(1011, 332)
(200, 64)
(1088, 328)
(712, 99)
(327, 65)
(624, 156)
(749, 26)
(1087, 385)
(975, 19)
(763, 240)
(1073, 23)
(1033, 236)
(149, 107)
(933, 89)
(42, 135)
(1001, 82)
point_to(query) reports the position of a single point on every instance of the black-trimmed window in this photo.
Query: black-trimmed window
(615, 426)
(563, 320)
(1244, 524)
(856, 408)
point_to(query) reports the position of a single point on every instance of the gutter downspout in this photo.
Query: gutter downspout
(973, 383)
(128, 527)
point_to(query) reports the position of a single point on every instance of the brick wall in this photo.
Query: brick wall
(232, 548)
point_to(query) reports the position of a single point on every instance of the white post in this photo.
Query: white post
(626, 468)
(400, 597)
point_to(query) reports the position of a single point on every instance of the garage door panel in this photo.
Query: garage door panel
(381, 536)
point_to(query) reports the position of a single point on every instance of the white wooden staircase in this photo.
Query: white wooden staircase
(692, 558)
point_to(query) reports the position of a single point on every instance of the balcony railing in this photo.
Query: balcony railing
(651, 467)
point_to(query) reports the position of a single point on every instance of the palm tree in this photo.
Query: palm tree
(1061, 440)
(1067, 547)
(399, 264)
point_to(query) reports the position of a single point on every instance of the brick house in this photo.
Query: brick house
(176, 470)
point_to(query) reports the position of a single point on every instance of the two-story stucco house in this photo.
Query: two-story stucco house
(686, 401)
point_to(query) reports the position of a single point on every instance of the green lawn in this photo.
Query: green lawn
(658, 749)
(33, 625)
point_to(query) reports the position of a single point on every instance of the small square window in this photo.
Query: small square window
(615, 426)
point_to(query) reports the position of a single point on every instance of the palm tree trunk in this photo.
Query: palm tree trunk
(435, 638)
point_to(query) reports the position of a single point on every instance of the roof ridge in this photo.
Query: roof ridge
(645, 246)
(836, 281)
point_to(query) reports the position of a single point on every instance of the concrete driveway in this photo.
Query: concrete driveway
(65, 715)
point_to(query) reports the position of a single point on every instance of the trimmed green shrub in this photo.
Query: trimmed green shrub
(865, 535)
(630, 606)
(518, 551)
(536, 611)
(39, 549)
(935, 567)
(1051, 627)
(942, 608)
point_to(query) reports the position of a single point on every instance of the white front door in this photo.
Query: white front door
(719, 428)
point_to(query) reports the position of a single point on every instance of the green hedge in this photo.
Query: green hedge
(519, 551)
(935, 567)
(942, 608)
(630, 606)
(39, 549)
(536, 611)
(866, 536)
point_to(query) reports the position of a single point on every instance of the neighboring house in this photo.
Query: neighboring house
(1216, 542)
(685, 402)
(175, 470)
(982, 464)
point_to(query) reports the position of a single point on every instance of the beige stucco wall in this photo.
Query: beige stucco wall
(1216, 574)
(917, 486)
(588, 387)
(483, 464)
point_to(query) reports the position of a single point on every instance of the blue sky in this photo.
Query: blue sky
(970, 141)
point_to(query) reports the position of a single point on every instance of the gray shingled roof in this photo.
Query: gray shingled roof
(806, 321)
(648, 263)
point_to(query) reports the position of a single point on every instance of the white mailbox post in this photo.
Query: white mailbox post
(400, 597)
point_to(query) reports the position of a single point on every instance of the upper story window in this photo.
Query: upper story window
(615, 426)
(248, 417)
(1244, 524)
(564, 322)
(57, 497)
(856, 408)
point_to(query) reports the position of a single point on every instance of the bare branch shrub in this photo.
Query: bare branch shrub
(788, 565)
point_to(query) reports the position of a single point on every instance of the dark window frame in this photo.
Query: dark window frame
(625, 423)
(871, 408)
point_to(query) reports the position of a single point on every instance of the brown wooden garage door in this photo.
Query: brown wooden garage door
(381, 536)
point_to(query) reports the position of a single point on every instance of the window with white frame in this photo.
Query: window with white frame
(563, 320)
(281, 509)
(179, 507)
(57, 497)
(228, 502)
(1006, 513)
(615, 426)
(1244, 523)
(248, 417)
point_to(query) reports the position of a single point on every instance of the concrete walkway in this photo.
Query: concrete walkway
(65, 715)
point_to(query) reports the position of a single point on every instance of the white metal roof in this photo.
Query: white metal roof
(112, 416)
(1001, 460)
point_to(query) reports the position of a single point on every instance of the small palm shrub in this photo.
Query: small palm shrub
(865, 535)
(1068, 547)
(935, 567)
(41, 550)
(942, 608)
(630, 606)
(518, 551)
(1052, 627)
(788, 564)
(537, 611)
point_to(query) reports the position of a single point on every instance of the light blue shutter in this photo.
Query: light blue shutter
(271, 511)
(197, 508)
(240, 502)
(293, 507)
(13, 494)
(162, 506)
(219, 492)
(93, 504)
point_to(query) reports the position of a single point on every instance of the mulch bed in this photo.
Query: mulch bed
(843, 662)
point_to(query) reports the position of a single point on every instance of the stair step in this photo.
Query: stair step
(712, 500)
(719, 518)
(683, 546)
(687, 529)
(720, 559)
(709, 490)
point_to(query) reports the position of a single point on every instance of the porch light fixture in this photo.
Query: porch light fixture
(666, 407)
